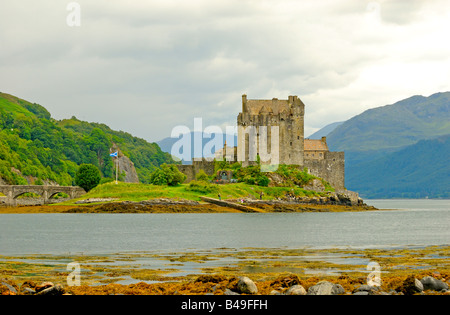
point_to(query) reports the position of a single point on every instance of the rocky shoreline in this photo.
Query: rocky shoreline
(164, 205)
(220, 285)
(181, 207)
(228, 271)
(331, 202)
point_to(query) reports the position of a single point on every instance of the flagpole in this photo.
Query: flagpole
(116, 155)
(117, 167)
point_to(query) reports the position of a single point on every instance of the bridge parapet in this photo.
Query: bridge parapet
(45, 191)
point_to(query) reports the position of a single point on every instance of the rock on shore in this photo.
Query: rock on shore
(8, 287)
(235, 286)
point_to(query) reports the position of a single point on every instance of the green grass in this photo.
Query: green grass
(140, 192)
(9, 106)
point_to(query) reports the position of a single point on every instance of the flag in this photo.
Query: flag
(113, 154)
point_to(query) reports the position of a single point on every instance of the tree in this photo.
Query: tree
(99, 142)
(88, 176)
(167, 175)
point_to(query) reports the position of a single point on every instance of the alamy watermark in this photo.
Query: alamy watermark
(253, 142)
(74, 17)
(374, 278)
(74, 278)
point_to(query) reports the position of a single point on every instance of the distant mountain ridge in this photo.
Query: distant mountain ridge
(166, 145)
(325, 131)
(37, 149)
(392, 135)
(394, 126)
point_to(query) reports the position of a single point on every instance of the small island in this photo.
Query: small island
(289, 189)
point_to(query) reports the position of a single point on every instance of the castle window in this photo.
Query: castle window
(291, 143)
(298, 137)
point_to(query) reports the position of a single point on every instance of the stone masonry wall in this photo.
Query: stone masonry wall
(191, 170)
(331, 168)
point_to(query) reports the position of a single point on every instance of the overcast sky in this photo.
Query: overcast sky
(147, 66)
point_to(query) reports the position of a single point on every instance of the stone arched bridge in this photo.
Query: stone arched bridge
(46, 192)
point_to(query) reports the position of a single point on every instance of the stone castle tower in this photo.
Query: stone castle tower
(283, 121)
(287, 115)
(293, 148)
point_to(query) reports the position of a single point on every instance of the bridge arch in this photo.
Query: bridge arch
(25, 192)
(46, 192)
(19, 192)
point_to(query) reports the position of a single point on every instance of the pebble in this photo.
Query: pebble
(229, 292)
(326, 288)
(296, 290)
(431, 283)
(246, 285)
(54, 290)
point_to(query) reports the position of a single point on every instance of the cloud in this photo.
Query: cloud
(147, 66)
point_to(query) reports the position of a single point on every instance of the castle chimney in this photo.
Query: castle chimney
(244, 103)
(324, 140)
(274, 102)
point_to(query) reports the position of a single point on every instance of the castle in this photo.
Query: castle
(274, 129)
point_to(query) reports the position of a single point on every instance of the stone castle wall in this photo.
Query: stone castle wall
(331, 168)
(191, 170)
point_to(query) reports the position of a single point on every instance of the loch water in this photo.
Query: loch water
(413, 223)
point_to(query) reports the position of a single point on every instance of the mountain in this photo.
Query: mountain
(36, 149)
(417, 171)
(168, 143)
(325, 131)
(394, 126)
(387, 134)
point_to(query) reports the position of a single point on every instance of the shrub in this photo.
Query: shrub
(88, 176)
(293, 175)
(252, 175)
(263, 180)
(202, 176)
(248, 179)
(202, 187)
(167, 175)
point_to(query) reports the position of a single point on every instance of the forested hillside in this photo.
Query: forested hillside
(37, 149)
(417, 171)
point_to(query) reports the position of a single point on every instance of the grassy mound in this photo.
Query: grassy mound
(191, 191)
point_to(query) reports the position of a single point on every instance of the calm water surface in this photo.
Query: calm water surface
(417, 222)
